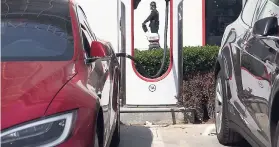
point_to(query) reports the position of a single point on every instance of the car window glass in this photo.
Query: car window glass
(86, 33)
(86, 43)
(247, 14)
(86, 38)
(85, 22)
(90, 30)
(40, 39)
(219, 14)
(82, 20)
(35, 34)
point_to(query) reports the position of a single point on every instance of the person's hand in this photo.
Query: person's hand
(143, 24)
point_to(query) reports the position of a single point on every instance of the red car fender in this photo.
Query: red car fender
(75, 95)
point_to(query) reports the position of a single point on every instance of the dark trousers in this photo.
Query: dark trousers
(154, 28)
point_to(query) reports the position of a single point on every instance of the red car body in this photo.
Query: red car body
(40, 88)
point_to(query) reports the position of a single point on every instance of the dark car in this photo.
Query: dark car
(59, 84)
(247, 77)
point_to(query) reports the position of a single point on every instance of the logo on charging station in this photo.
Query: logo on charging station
(152, 88)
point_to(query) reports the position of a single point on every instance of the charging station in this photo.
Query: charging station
(161, 90)
(119, 22)
(115, 21)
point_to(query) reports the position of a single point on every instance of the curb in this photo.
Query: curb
(156, 116)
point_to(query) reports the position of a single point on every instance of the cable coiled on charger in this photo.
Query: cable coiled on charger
(158, 74)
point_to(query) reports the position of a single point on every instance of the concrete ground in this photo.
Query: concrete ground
(169, 136)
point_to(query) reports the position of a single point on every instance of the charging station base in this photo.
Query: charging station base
(157, 115)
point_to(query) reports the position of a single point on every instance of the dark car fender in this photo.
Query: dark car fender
(224, 59)
(221, 66)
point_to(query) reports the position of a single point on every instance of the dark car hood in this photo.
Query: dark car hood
(27, 88)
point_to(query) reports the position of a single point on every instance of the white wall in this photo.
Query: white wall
(103, 19)
(192, 22)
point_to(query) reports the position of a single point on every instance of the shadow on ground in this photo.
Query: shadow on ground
(168, 136)
(243, 144)
(135, 136)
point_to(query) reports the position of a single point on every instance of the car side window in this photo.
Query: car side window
(86, 38)
(248, 12)
(89, 29)
(86, 42)
(86, 24)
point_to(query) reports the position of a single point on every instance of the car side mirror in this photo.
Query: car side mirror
(97, 51)
(266, 27)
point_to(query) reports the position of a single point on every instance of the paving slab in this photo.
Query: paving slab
(169, 136)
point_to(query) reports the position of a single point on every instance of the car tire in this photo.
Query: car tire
(276, 137)
(116, 134)
(225, 134)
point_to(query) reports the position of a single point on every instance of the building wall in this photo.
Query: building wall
(192, 22)
(103, 19)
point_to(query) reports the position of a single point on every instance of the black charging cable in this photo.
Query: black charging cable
(145, 74)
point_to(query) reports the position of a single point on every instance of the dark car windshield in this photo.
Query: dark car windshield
(38, 34)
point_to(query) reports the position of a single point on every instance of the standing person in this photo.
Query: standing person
(153, 18)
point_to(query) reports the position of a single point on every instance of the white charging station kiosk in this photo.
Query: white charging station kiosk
(163, 90)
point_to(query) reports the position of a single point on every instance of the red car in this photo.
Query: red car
(59, 84)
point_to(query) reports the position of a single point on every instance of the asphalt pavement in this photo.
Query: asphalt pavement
(168, 136)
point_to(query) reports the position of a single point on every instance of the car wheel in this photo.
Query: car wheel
(225, 134)
(116, 134)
